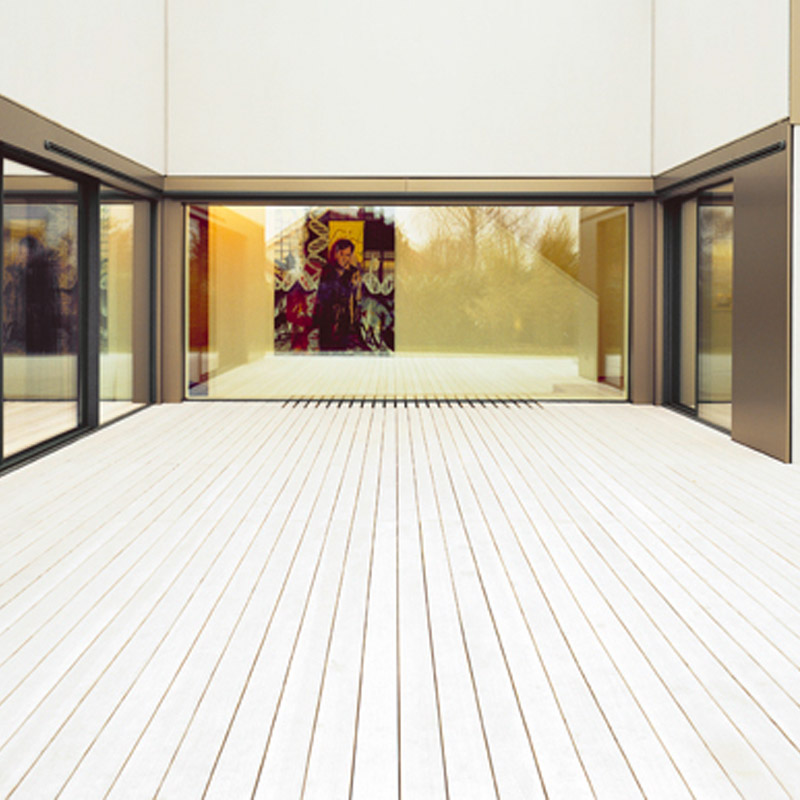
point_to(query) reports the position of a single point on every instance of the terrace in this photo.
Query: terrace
(419, 600)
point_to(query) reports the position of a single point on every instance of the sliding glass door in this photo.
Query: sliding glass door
(124, 302)
(715, 306)
(41, 293)
(702, 298)
(75, 306)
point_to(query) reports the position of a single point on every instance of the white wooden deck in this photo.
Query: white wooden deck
(228, 600)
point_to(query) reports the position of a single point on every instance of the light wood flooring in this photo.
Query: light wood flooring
(234, 600)
(406, 376)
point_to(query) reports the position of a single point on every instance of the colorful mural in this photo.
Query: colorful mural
(334, 282)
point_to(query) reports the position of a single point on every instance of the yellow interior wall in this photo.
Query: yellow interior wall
(241, 312)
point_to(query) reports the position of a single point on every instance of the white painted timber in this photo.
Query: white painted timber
(463, 600)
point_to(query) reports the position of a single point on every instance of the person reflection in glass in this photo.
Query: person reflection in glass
(337, 307)
(42, 317)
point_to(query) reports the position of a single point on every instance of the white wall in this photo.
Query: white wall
(421, 87)
(721, 72)
(94, 66)
(424, 87)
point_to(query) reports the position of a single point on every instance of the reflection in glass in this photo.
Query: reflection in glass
(503, 280)
(459, 301)
(230, 320)
(40, 307)
(688, 305)
(119, 305)
(715, 310)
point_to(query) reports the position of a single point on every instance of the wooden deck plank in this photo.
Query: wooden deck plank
(192, 757)
(468, 768)
(329, 763)
(517, 768)
(698, 462)
(85, 586)
(647, 493)
(650, 729)
(238, 762)
(752, 658)
(419, 600)
(284, 766)
(724, 737)
(67, 705)
(421, 752)
(376, 757)
(197, 486)
(75, 524)
(506, 585)
(20, 495)
(133, 757)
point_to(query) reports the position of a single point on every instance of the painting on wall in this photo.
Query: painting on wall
(334, 282)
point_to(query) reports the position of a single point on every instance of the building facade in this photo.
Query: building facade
(542, 201)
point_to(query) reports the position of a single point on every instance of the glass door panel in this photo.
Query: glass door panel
(715, 308)
(688, 304)
(124, 303)
(41, 296)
